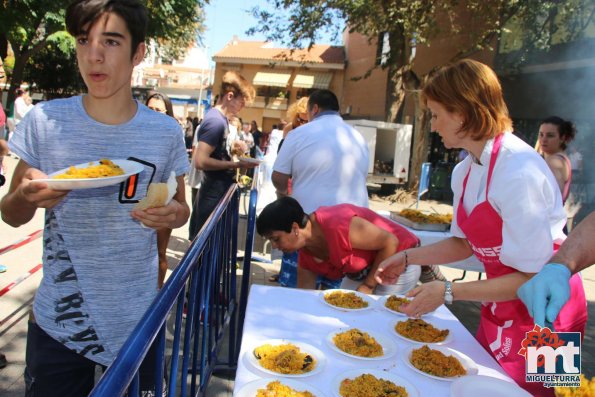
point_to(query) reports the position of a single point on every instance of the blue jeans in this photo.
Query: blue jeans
(55, 370)
(211, 192)
(288, 274)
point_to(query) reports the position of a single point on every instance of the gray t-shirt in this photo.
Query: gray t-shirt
(99, 264)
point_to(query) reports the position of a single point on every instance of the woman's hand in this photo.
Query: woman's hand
(428, 297)
(391, 268)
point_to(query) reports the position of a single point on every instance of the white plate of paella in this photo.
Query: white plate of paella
(361, 344)
(287, 358)
(367, 382)
(276, 385)
(346, 300)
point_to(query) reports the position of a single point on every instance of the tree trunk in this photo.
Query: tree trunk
(17, 78)
(3, 46)
(421, 137)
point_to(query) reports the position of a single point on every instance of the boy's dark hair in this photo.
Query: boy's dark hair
(82, 14)
(325, 99)
(280, 215)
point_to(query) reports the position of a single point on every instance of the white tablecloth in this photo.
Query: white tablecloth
(300, 315)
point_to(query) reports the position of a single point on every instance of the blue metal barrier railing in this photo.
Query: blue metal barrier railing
(209, 267)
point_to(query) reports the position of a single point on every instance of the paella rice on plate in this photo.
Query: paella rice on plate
(346, 300)
(421, 331)
(104, 169)
(284, 359)
(278, 389)
(358, 343)
(394, 302)
(436, 363)
(419, 217)
(367, 385)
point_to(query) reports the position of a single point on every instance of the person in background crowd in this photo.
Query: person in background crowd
(555, 134)
(3, 126)
(246, 136)
(161, 103)
(188, 132)
(212, 155)
(549, 290)
(22, 105)
(195, 123)
(3, 152)
(92, 295)
(327, 162)
(336, 241)
(507, 212)
(297, 113)
(256, 135)
(195, 176)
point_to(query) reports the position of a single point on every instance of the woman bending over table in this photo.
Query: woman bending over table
(508, 213)
(336, 241)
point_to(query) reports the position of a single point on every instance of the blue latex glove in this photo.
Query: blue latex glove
(546, 293)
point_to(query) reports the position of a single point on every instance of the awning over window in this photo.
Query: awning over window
(271, 79)
(312, 80)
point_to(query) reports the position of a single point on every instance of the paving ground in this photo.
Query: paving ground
(15, 304)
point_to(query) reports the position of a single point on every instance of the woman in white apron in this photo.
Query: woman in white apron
(508, 213)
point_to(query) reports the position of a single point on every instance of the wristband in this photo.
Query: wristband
(406, 258)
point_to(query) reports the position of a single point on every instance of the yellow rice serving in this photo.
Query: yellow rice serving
(367, 385)
(421, 331)
(436, 363)
(358, 343)
(419, 217)
(284, 359)
(346, 300)
(278, 389)
(104, 169)
(587, 389)
(394, 302)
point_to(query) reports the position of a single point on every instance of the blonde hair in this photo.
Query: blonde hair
(299, 106)
(235, 121)
(238, 85)
(471, 89)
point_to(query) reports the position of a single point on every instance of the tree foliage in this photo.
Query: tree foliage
(59, 57)
(29, 25)
(410, 23)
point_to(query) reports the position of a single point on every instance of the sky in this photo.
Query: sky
(226, 18)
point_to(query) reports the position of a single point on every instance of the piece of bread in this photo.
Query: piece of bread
(159, 194)
(156, 197)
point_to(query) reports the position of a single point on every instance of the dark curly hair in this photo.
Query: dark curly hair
(280, 215)
(566, 129)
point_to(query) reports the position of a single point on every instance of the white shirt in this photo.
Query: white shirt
(21, 108)
(525, 194)
(328, 161)
(195, 176)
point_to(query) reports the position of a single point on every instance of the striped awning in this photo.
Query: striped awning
(312, 80)
(271, 79)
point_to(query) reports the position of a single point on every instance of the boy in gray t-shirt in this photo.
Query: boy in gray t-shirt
(99, 262)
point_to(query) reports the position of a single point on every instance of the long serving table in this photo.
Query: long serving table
(301, 315)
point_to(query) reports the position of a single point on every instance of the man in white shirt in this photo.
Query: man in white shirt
(327, 160)
(22, 105)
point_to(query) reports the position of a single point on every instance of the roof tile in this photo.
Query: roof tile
(261, 50)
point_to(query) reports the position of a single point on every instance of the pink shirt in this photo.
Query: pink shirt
(344, 259)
